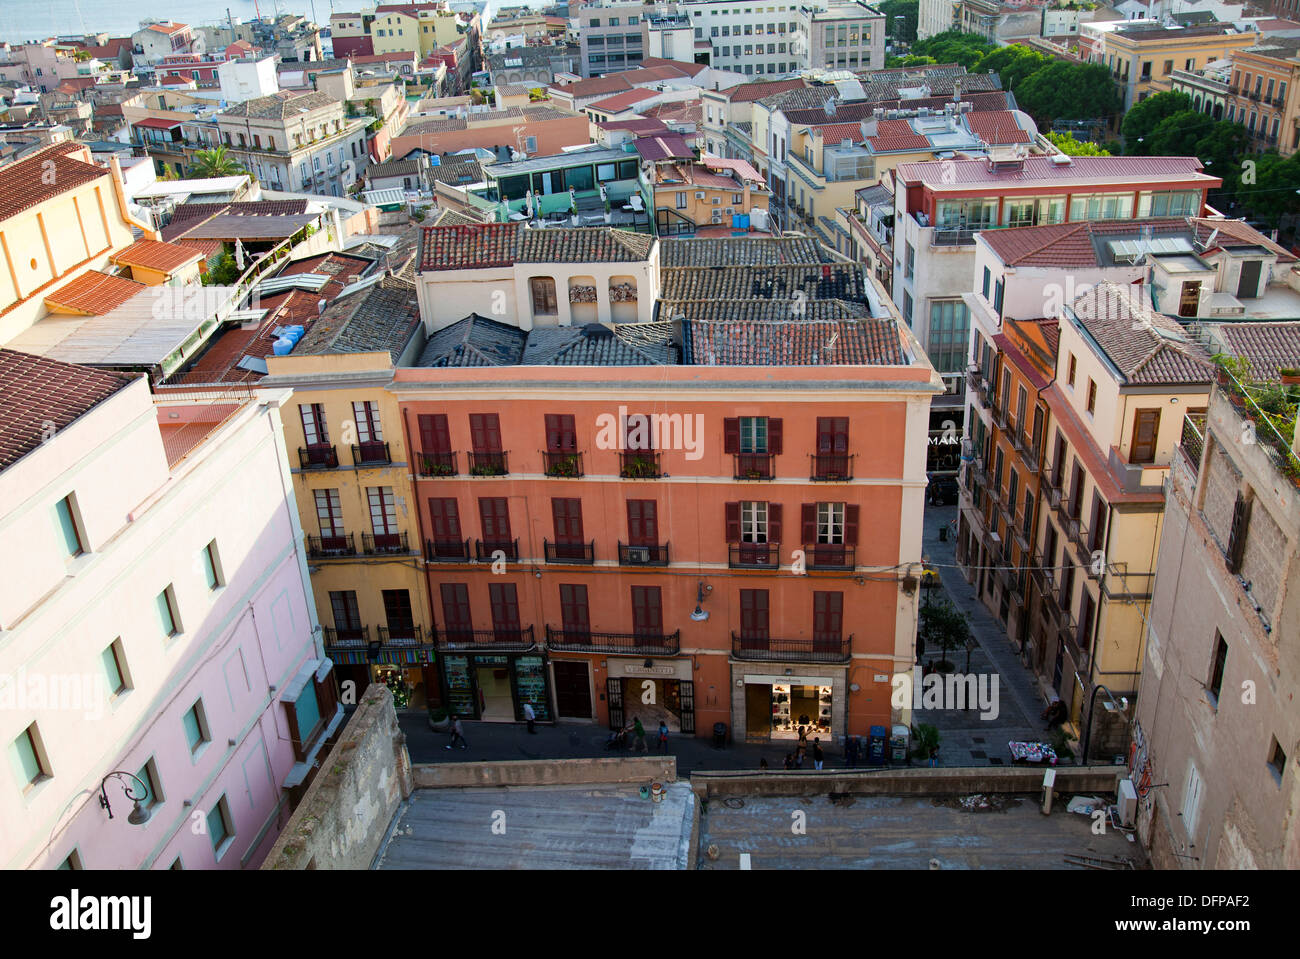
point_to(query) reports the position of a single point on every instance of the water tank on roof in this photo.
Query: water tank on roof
(282, 347)
(294, 333)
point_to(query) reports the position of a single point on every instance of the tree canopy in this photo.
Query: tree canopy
(1142, 119)
(214, 163)
(1067, 144)
(907, 9)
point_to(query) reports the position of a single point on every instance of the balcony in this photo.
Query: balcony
(639, 464)
(505, 640)
(563, 465)
(999, 415)
(373, 453)
(1192, 443)
(829, 556)
(754, 555)
(774, 650)
(320, 456)
(357, 637)
(402, 637)
(436, 464)
(642, 555)
(831, 467)
(570, 554)
(488, 464)
(632, 644)
(484, 550)
(754, 466)
(380, 544)
(446, 551)
(329, 547)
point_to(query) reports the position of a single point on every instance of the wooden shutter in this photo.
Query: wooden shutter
(642, 523)
(485, 432)
(832, 434)
(435, 437)
(505, 608)
(456, 616)
(1146, 429)
(647, 611)
(444, 519)
(774, 522)
(851, 524)
(494, 513)
(808, 523)
(828, 617)
(753, 614)
(1237, 537)
(567, 514)
(733, 522)
(774, 435)
(561, 434)
(574, 612)
(731, 435)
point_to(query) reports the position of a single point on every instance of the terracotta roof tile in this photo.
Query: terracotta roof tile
(480, 247)
(42, 176)
(93, 293)
(1145, 346)
(794, 342)
(1269, 347)
(155, 255)
(41, 394)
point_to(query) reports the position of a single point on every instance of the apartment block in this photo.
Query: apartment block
(841, 35)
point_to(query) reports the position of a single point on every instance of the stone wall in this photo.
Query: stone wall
(546, 772)
(926, 781)
(342, 820)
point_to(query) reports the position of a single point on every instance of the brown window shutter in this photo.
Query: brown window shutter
(774, 435)
(731, 435)
(774, 522)
(851, 524)
(808, 520)
(733, 522)
(1237, 538)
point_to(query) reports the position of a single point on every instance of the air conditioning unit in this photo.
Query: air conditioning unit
(729, 211)
(638, 554)
(699, 195)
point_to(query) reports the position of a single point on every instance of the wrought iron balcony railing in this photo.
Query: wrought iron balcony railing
(754, 555)
(642, 555)
(639, 464)
(563, 465)
(754, 466)
(583, 554)
(446, 550)
(320, 456)
(355, 637)
(385, 543)
(513, 639)
(819, 649)
(436, 464)
(484, 550)
(637, 644)
(403, 636)
(829, 556)
(831, 467)
(326, 547)
(488, 464)
(373, 453)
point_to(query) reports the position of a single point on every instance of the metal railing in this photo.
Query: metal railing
(372, 453)
(831, 467)
(403, 636)
(1192, 442)
(583, 554)
(380, 543)
(564, 465)
(488, 464)
(639, 644)
(484, 549)
(829, 556)
(318, 457)
(754, 555)
(436, 464)
(825, 649)
(754, 466)
(357, 637)
(325, 547)
(446, 551)
(639, 464)
(642, 555)
(513, 639)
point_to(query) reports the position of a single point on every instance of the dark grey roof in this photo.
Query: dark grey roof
(381, 316)
(624, 344)
(456, 171)
(740, 251)
(282, 105)
(762, 310)
(474, 341)
(393, 168)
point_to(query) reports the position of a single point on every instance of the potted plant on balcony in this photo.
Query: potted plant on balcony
(568, 466)
(437, 469)
(1289, 376)
(483, 469)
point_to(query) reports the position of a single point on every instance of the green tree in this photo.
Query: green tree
(1013, 64)
(1142, 119)
(943, 625)
(950, 47)
(1067, 144)
(223, 272)
(1068, 91)
(1178, 134)
(1276, 189)
(907, 9)
(214, 163)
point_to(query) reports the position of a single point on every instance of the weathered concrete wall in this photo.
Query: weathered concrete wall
(907, 782)
(342, 820)
(546, 772)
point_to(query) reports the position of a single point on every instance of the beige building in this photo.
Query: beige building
(1217, 730)
(419, 27)
(841, 35)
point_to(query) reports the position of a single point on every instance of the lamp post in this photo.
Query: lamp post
(139, 814)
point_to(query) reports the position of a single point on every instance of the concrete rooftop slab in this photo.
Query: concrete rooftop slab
(545, 827)
(888, 832)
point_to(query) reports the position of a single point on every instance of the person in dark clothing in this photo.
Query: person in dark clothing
(457, 734)
(639, 732)
(818, 756)
(762, 762)
(530, 715)
(789, 761)
(1055, 713)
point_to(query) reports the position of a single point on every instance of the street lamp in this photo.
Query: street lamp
(140, 814)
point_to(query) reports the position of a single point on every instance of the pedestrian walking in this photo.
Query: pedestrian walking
(663, 736)
(457, 734)
(531, 716)
(639, 731)
(818, 756)
(789, 761)
(934, 755)
(762, 762)
(798, 757)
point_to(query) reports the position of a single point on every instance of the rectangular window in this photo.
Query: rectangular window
(753, 522)
(456, 617)
(1191, 801)
(642, 522)
(383, 510)
(1146, 430)
(485, 432)
(66, 512)
(647, 611)
(196, 727)
(561, 433)
(148, 774)
(347, 614)
(221, 828)
(828, 620)
(435, 437)
(114, 659)
(494, 514)
(575, 617)
(366, 414)
(444, 521)
(329, 512)
(1092, 396)
(754, 624)
(830, 523)
(566, 513)
(1073, 367)
(398, 615)
(505, 610)
(31, 756)
(1215, 685)
(1237, 534)
(167, 618)
(313, 423)
(212, 572)
(543, 290)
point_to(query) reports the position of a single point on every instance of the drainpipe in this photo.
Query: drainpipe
(120, 192)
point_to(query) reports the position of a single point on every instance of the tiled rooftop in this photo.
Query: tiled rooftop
(155, 255)
(474, 341)
(741, 251)
(383, 316)
(1269, 347)
(93, 293)
(488, 245)
(1148, 348)
(281, 106)
(794, 342)
(761, 311)
(965, 174)
(43, 176)
(827, 281)
(624, 344)
(41, 395)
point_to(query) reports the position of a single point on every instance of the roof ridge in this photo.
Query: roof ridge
(1084, 225)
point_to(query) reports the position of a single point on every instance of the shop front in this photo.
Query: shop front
(663, 690)
(411, 674)
(493, 687)
(773, 707)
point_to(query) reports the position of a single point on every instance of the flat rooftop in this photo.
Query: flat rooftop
(891, 832)
(545, 827)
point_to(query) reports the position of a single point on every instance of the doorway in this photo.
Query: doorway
(1248, 285)
(496, 704)
(572, 690)
(758, 711)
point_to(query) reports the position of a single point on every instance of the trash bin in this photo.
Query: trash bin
(899, 744)
(876, 746)
(719, 735)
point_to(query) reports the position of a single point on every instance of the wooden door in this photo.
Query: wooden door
(572, 689)
(1146, 428)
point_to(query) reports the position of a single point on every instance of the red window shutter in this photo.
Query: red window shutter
(774, 522)
(434, 435)
(485, 432)
(733, 522)
(444, 518)
(494, 512)
(574, 613)
(753, 613)
(567, 514)
(774, 435)
(642, 523)
(561, 435)
(505, 606)
(731, 435)
(851, 524)
(455, 607)
(647, 611)
(832, 434)
(808, 522)
(828, 616)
